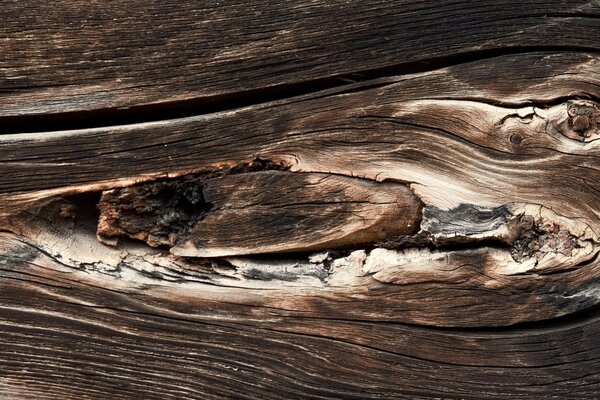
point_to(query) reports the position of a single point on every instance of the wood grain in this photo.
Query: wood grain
(66, 334)
(450, 135)
(470, 107)
(320, 200)
(74, 55)
(259, 212)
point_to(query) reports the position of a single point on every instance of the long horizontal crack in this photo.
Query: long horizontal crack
(342, 83)
(571, 321)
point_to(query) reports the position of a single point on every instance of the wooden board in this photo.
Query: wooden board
(250, 201)
(66, 334)
(75, 55)
(321, 132)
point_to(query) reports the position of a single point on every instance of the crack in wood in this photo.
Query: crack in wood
(257, 208)
(171, 214)
(477, 156)
(427, 173)
(332, 85)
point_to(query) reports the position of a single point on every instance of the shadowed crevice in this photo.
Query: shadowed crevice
(337, 84)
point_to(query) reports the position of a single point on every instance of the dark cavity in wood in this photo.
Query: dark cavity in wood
(158, 213)
(405, 242)
(163, 212)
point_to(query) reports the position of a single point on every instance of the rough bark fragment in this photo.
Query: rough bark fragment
(159, 213)
(584, 118)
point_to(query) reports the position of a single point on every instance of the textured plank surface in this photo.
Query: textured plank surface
(137, 139)
(67, 335)
(452, 150)
(355, 130)
(74, 55)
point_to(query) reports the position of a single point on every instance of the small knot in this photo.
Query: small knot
(583, 116)
(581, 123)
(515, 138)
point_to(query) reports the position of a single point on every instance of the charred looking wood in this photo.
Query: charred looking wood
(159, 213)
(537, 237)
(163, 212)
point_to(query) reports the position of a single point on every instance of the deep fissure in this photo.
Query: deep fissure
(341, 83)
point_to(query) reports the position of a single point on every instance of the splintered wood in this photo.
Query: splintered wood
(505, 193)
(207, 201)
(508, 189)
(259, 212)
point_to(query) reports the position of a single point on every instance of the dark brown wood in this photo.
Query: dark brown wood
(323, 132)
(75, 55)
(299, 200)
(451, 150)
(68, 335)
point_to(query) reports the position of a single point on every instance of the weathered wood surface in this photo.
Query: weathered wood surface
(68, 334)
(249, 201)
(78, 55)
(258, 212)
